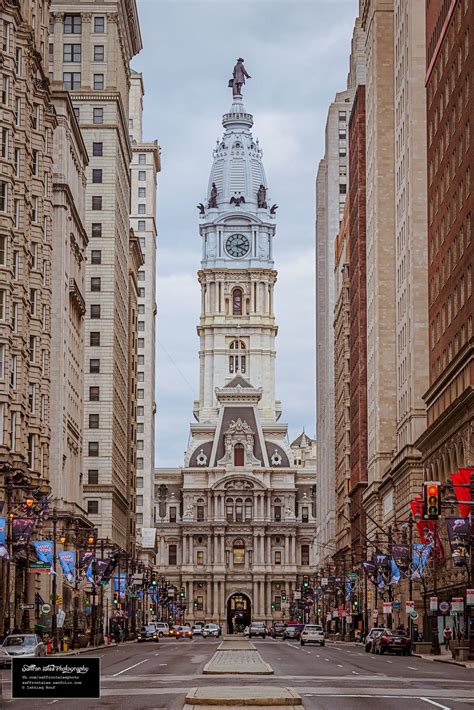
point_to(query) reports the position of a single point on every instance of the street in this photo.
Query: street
(338, 676)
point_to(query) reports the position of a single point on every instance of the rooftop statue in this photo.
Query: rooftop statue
(239, 75)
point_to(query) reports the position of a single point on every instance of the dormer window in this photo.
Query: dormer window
(239, 455)
(237, 300)
(237, 357)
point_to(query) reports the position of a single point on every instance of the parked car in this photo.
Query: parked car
(392, 642)
(257, 628)
(163, 628)
(374, 631)
(211, 630)
(312, 633)
(5, 658)
(24, 645)
(293, 631)
(148, 633)
(277, 629)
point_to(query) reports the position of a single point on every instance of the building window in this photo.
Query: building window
(305, 555)
(94, 394)
(142, 192)
(95, 310)
(72, 24)
(35, 163)
(94, 366)
(139, 482)
(96, 230)
(98, 82)
(237, 298)
(141, 225)
(93, 476)
(4, 152)
(95, 283)
(3, 251)
(4, 94)
(2, 362)
(200, 513)
(71, 80)
(200, 558)
(31, 451)
(6, 36)
(13, 369)
(72, 53)
(96, 256)
(238, 549)
(98, 115)
(237, 357)
(99, 25)
(93, 421)
(277, 557)
(172, 514)
(141, 175)
(239, 455)
(34, 209)
(142, 159)
(3, 196)
(141, 208)
(93, 448)
(32, 348)
(92, 507)
(97, 150)
(97, 175)
(304, 515)
(172, 555)
(2, 304)
(248, 509)
(33, 299)
(277, 513)
(97, 202)
(98, 53)
(31, 397)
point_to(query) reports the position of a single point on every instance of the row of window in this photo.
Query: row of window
(72, 25)
(72, 82)
(238, 555)
(73, 52)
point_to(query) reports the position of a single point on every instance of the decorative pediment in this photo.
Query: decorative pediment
(239, 432)
(239, 485)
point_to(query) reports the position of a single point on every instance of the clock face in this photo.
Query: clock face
(237, 245)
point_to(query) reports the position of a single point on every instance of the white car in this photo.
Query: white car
(312, 633)
(24, 645)
(162, 627)
(211, 630)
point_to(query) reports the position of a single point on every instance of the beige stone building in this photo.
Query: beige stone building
(378, 22)
(91, 46)
(144, 168)
(68, 308)
(27, 122)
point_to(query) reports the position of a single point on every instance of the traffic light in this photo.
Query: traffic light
(305, 582)
(153, 579)
(283, 597)
(116, 598)
(355, 606)
(195, 604)
(181, 593)
(431, 500)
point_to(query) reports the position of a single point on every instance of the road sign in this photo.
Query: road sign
(444, 607)
(470, 597)
(324, 582)
(414, 615)
(433, 603)
(397, 605)
(387, 607)
(409, 606)
(457, 604)
(26, 606)
(297, 595)
(46, 608)
(39, 567)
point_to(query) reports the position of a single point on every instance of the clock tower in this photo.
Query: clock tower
(237, 226)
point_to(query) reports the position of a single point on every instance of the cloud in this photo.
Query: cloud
(297, 54)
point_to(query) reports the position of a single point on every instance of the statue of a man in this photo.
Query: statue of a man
(213, 197)
(239, 74)
(262, 197)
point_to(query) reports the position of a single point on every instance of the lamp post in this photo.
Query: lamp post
(54, 617)
(435, 649)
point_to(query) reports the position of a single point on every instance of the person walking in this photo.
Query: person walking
(447, 634)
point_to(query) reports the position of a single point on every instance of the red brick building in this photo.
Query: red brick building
(358, 319)
(448, 440)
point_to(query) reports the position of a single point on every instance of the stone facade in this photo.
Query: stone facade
(91, 46)
(143, 175)
(236, 525)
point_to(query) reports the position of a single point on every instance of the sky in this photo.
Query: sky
(297, 52)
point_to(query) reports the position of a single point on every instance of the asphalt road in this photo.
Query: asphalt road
(156, 676)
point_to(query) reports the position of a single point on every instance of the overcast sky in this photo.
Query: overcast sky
(297, 53)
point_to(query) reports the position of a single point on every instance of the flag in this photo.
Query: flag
(84, 558)
(67, 562)
(420, 556)
(4, 552)
(394, 572)
(44, 551)
(3, 525)
(21, 533)
(463, 495)
(369, 569)
(459, 534)
(38, 599)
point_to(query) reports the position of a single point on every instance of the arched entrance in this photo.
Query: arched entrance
(239, 612)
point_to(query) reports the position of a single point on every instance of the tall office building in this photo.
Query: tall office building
(91, 46)
(144, 168)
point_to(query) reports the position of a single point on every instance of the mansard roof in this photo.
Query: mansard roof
(238, 381)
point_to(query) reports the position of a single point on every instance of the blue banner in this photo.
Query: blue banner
(395, 573)
(120, 584)
(420, 557)
(67, 562)
(44, 551)
(89, 574)
(3, 525)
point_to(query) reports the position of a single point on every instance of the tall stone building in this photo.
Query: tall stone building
(342, 393)
(27, 122)
(331, 191)
(448, 442)
(236, 525)
(378, 23)
(91, 46)
(143, 174)
(68, 308)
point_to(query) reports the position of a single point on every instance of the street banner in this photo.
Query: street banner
(401, 557)
(120, 583)
(4, 552)
(84, 559)
(44, 551)
(433, 603)
(89, 573)
(101, 566)
(457, 604)
(112, 563)
(369, 569)
(67, 562)
(348, 589)
(409, 607)
(470, 597)
(460, 479)
(148, 538)
(394, 572)
(420, 556)
(21, 533)
(458, 535)
(387, 607)
(3, 525)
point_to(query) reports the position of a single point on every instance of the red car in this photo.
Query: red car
(391, 642)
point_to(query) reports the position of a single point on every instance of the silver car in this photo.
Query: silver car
(24, 645)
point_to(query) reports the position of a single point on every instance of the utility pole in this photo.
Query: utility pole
(435, 649)
(9, 491)
(471, 608)
(54, 616)
(75, 613)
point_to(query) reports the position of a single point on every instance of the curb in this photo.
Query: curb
(87, 649)
(450, 661)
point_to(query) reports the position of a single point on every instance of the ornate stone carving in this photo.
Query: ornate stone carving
(239, 432)
(239, 485)
(276, 459)
(201, 458)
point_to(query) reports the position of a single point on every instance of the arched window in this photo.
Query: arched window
(237, 301)
(237, 357)
(200, 509)
(239, 510)
(239, 552)
(248, 509)
(229, 510)
(239, 455)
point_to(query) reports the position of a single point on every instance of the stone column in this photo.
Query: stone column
(255, 599)
(215, 602)
(58, 45)
(208, 604)
(86, 51)
(287, 550)
(263, 610)
(191, 550)
(268, 586)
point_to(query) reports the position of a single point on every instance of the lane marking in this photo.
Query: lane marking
(339, 665)
(412, 668)
(130, 668)
(355, 673)
(157, 654)
(389, 661)
(162, 664)
(53, 701)
(438, 705)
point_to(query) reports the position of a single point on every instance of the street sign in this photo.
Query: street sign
(26, 606)
(353, 575)
(470, 597)
(414, 615)
(409, 607)
(39, 567)
(444, 607)
(376, 614)
(324, 582)
(397, 605)
(387, 607)
(457, 604)
(297, 595)
(46, 608)
(433, 603)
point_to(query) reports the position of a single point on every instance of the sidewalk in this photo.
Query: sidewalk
(87, 649)
(444, 657)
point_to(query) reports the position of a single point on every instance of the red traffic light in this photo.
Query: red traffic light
(431, 500)
(432, 490)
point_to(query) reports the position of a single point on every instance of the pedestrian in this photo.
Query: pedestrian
(121, 633)
(447, 634)
(116, 634)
